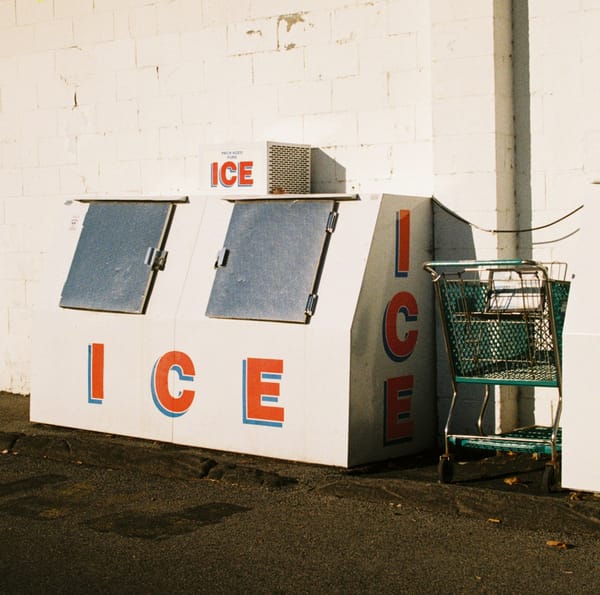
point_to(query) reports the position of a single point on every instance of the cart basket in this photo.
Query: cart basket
(502, 320)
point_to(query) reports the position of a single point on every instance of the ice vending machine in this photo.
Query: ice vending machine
(291, 326)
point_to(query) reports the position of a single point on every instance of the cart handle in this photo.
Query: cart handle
(514, 262)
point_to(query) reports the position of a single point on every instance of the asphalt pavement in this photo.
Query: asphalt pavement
(499, 488)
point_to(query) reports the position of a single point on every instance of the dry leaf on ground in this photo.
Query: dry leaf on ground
(559, 545)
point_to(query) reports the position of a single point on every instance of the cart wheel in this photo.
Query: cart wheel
(445, 470)
(551, 478)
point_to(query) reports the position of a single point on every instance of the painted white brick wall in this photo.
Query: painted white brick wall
(564, 154)
(31, 12)
(116, 96)
(472, 119)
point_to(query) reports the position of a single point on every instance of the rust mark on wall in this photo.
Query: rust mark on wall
(291, 19)
(254, 32)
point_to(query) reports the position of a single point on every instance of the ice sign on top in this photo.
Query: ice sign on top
(256, 168)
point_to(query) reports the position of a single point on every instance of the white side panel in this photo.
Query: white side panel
(392, 389)
(581, 412)
(581, 351)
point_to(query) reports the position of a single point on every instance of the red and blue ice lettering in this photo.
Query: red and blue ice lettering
(402, 243)
(181, 365)
(397, 348)
(260, 392)
(399, 425)
(96, 373)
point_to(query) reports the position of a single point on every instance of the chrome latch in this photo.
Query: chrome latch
(156, 259)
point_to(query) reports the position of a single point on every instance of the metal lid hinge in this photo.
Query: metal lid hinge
(331, 222)
(156, 259)
(311, 304)
(222, 257)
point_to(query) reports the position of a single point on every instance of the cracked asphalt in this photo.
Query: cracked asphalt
(106, 504)
(502, 485)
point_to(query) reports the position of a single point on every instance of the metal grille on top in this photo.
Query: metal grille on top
(289, 169)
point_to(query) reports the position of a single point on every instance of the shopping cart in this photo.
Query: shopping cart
(502, 323)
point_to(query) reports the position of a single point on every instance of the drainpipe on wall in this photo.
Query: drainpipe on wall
(506, 207)
(507, 397)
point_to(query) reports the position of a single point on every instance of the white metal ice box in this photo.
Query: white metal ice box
(295, 327)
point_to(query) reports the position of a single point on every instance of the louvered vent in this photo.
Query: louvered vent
(288, 169)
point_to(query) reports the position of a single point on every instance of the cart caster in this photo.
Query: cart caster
(445, 469)
(551, 478)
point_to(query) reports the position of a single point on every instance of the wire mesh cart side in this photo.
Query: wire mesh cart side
(502, 322)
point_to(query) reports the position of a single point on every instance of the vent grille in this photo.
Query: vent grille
(288, 169)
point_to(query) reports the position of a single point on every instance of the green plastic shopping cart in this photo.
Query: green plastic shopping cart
(502, 322)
